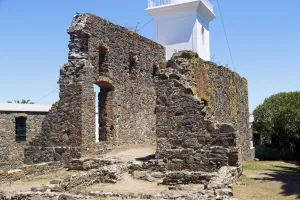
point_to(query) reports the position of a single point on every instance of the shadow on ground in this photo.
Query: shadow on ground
(146, 158)
(289, 176)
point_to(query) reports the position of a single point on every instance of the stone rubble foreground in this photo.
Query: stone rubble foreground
(210, 185)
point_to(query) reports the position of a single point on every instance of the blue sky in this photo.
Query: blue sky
(264, 39)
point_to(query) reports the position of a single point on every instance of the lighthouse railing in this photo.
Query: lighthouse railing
(154, 3)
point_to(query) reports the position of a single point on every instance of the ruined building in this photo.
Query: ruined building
(121, 97)
(19, 123)
(194, 111)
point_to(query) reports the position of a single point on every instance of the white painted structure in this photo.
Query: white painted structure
(16, 107)
(182, 25)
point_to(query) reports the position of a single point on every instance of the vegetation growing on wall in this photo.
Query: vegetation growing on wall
(207, 81)
(202, 82)
(196, 73)
(199, 75)
(233, 100)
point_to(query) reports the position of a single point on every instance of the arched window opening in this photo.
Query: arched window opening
(104, 109)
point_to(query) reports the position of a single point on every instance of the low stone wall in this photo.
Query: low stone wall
(209, 185)
(85, 164)
(110, 170)
(185, 177)
(38, 154)
(43, 196)
(105, 174)
(29, 170)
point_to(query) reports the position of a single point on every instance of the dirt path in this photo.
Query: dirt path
(127, 154)
(129, 185)
(269, 181)
(24, 185)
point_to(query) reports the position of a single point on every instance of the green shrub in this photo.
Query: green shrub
(278, 121)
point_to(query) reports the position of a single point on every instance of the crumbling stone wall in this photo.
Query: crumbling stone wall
(196, 108)
(201, 109)
(12, 152)
(226, 95)
(120, 62)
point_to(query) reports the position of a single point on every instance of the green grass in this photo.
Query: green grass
(245, 179)
(269, 165)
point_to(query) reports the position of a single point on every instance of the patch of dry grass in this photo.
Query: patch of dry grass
(265, 180)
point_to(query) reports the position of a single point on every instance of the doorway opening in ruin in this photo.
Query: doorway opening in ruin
(104, 129)
(97, 93)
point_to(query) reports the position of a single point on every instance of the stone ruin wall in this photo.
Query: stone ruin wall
(123, 65)
(194, 111)
(120, 62)
(202, 114)
(226, 94)
(12, 152)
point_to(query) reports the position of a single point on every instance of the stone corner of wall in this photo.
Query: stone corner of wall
(211, 142)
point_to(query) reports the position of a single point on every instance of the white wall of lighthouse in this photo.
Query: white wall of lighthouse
(182, 25)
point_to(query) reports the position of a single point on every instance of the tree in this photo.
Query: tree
(278, 120)
(23, 101)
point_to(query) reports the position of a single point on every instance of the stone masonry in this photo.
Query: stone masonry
(120, 62)
(193, 111)
(197, 111)
(226, 95)
(186, 134)
(11, 151)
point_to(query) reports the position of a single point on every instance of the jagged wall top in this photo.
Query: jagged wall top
(120, 62)
(224, 92)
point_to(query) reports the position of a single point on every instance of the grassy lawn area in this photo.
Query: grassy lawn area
(269, 180)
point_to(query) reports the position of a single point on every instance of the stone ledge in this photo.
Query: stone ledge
(85, 164)
(29, 170)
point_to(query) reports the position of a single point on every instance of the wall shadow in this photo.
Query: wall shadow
(288, 176)
(146, 158)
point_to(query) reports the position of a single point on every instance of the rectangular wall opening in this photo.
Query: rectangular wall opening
(97, 93)
(21, 129)
(104, 128)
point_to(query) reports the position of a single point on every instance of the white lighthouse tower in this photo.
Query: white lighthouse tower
(182, 25)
